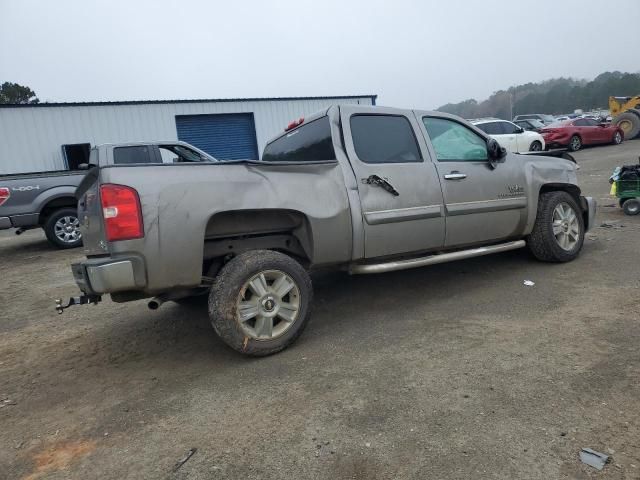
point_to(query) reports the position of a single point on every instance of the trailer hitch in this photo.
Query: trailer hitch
(81, 300)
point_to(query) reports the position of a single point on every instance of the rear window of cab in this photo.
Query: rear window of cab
(311, 142)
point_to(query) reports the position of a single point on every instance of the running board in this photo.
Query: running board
(434, 259)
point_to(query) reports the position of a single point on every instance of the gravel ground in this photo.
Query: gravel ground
(453, 371)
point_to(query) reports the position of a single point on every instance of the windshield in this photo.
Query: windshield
(535, 123)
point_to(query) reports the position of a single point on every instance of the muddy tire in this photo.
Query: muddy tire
(259, 302)
(62, 228)
(558, 232)
(575, 143)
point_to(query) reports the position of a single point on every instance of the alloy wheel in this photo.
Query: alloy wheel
(67, 229)
(268, 305)
(566, 227)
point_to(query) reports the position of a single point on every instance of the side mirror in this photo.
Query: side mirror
(520, 130)
(494, 150)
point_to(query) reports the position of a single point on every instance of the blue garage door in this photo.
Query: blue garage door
(225, 136)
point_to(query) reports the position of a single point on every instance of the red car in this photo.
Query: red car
(577, 132)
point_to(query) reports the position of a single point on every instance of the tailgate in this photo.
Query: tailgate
(90, 214)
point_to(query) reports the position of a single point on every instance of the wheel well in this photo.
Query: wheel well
(56, 204)
(228, 234)
(572, 190)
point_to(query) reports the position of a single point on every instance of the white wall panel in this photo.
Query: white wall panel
(31, 136)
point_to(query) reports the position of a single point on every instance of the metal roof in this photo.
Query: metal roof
(203, 100)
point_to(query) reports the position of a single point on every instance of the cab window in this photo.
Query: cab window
(453, 142)
(133, 154)
(508, 128)
(490, 128)
(384, 139)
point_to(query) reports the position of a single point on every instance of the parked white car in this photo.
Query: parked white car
(509, 135)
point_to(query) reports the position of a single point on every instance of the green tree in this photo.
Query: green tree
(12, 93)
(554, 96)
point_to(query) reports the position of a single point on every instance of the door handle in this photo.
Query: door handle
(455, 175)
(380, 182)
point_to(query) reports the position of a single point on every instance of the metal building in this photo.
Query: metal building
(57, 136)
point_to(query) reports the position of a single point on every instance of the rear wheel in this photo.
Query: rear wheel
(575, 143)
(617, 138)
(631, 206)
(536, 146)
(62, 228)
(558, 232)
(259, 302)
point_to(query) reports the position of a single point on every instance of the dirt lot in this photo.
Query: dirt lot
(454, 371)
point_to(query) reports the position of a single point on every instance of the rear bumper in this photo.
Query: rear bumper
(589, 206)
(19, 221)
(109, 275)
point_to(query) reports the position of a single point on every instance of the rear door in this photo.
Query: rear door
(398, 186)
(483, 204)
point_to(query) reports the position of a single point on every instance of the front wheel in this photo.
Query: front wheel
(558, 232)
(617, 138)
(575, 143)
(62, 228)
(259, 302)
(536, 146)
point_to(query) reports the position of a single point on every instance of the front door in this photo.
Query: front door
(398, 186)
(483, 204)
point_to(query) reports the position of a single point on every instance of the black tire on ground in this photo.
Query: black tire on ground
(542, 242)
(621, 202)
(230, 288)
(575, 143)
(617, 138)
(52, 231)
(629, 123)
(536, 146)
(631, 206)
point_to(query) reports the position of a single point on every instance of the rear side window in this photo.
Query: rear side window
(491, 128)
(134, 154)
(308, 143)
(508, 128)
(384, 139)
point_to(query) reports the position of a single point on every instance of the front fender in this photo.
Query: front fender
(547, 174)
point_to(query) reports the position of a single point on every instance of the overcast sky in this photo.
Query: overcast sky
(411, 53)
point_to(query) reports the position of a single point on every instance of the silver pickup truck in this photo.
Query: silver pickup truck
(359, 188)
(42, 200)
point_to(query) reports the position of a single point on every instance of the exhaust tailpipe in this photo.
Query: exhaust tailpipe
(155, 303)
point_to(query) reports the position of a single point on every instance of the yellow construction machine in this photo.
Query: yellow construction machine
(625, 112)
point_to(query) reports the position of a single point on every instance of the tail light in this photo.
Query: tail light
(122, 212)
(5, 193)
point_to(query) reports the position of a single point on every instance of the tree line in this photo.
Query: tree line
(555, 96)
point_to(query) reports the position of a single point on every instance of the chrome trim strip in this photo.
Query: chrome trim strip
(434, 259)
(464, 208)
(403, 214)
